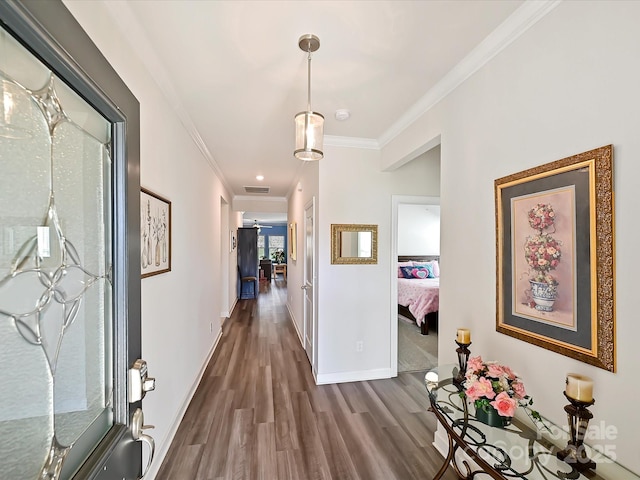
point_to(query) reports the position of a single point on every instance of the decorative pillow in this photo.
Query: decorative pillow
(417, 272)
(403, 264)
(436, 268)
(433, 264)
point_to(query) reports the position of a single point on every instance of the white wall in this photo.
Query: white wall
(354, 299)
(567, 85)
(418, 229)
(304, 192)
(180, 309)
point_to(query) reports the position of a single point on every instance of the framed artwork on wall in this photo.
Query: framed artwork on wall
(232, 241)
(293, 240)
(155, 234)
(555, 258)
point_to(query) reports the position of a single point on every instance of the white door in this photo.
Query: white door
(308, 286)
(69, 255)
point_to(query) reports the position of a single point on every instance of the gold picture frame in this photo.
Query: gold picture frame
(293, 240)
(353, 244)
(555, 257)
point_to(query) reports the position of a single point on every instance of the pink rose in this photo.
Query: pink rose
(509, 372)
(518, 389)
(495, 370)
(505, 405)
(474, 364)
(479, 389)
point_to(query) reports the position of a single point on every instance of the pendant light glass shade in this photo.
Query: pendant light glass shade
(309, 136)
(309, 124)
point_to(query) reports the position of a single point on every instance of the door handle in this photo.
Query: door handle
(137, 428)
(305, 287)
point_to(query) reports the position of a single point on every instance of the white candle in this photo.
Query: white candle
(579, 387)
(464, 335)
(431, 377)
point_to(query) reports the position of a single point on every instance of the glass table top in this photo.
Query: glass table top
(525, 449)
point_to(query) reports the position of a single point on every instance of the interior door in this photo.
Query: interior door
(308, 286)
(69, 254)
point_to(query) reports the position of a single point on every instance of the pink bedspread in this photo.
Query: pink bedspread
(422, 296)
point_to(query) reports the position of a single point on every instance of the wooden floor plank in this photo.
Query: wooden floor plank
(258, 414)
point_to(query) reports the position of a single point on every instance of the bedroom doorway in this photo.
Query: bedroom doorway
(416, 243)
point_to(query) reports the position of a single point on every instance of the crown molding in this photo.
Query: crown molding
(507, 32)
(131, 30)
(354, 142)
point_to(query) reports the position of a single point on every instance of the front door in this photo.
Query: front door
(69, 261)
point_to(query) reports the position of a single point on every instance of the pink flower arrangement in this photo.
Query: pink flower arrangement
(491, 384)
(542, 253)
(541, 216)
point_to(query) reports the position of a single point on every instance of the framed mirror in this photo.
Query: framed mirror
(354, 244)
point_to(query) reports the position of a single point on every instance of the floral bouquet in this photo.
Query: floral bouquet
(541, 216)
(542, 253)
(489, 384)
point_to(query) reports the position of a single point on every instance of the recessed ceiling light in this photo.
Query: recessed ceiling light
(342, 114)
(260, 177)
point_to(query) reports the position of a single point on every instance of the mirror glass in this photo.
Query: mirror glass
(354, 244)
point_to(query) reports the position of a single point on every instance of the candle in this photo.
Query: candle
(431, 377)
(464, 335)
(579, 387)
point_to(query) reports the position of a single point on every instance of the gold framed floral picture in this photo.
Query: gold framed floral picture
(555, 258)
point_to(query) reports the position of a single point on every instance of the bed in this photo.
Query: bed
(418, 297)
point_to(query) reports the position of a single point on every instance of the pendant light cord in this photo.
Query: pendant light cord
(309, 82)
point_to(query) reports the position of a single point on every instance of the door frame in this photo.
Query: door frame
(396, 201)
(50, 31)
(314, 293)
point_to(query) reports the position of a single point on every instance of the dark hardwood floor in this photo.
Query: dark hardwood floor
(257, 413)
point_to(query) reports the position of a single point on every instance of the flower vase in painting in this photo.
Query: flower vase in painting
(542, 253)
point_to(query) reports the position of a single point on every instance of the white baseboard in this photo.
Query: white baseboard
(295, 325)
(341, 377)
(233, 305)
(359, 376)
(162, 452)
(441, 441)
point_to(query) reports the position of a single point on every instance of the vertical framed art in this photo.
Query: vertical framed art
(155, 234)
(232, 241)
(555, 257)
(293, 240)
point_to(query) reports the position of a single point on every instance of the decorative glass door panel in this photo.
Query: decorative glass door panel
(56, 260)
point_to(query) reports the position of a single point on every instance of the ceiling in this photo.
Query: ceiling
(236, 77)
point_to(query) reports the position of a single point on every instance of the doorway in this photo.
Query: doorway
(420, 349)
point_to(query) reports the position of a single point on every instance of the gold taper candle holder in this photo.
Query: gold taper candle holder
(463, 357)
(578, 417)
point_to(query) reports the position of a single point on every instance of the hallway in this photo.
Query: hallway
(257, 413)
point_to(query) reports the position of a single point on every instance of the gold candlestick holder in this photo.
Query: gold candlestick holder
(578, 417)
(463, 357)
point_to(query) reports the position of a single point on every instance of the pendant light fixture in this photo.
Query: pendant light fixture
(309, 124)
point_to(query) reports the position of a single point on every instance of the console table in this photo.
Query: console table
(521, 450)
